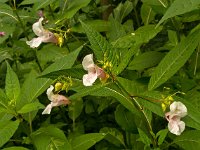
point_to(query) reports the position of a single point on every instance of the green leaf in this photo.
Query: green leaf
(102, 49)
(74, 6)
(98, 25)
(122, 10)
(115, 92)
(38, 4)
(50, 138)
(126, 59)
(161, 135)
(12, 86)
(147, 14)
(75, 109)
(8, 29)
(31, 107)
(179, 7)
(125, 119)
(189, 140)
(15, 148)
(192, 119)
(7, 129)
(134, 41)
(145, 60)
(76, 73)
(133, 87)
(84, 91)
(65, 62)
(31, 89)
(144, 138)
(142, 35)
(3, 101)
(174, 60)
(113, 136)
(116, 30)
(6, 10)
(86, 141)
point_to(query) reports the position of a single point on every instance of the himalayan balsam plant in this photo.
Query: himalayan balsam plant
(99, 74)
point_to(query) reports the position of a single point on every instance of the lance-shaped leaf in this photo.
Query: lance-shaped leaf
(179, 7)
(100, 46)
(174, 60)
(86, 141)
(12, 84)
(7, 129)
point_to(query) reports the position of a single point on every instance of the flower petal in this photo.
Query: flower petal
(35, 42)
(38, 28)
(88, 62)
(178, 108)
(50, 93)
(58, 100)
(48, 109)
(176, 127)
(89, 79)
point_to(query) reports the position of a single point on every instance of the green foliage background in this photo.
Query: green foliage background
(149, 48)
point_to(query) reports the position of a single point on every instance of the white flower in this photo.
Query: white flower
(43, 35)
(177, 111)
(56, 100)
(94, 71)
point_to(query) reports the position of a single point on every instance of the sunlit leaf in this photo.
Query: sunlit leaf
(7, 129)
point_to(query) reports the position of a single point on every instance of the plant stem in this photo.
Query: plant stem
(37, 61)
(21, 23)
(30, 122)
(196, 60)
(140, 108)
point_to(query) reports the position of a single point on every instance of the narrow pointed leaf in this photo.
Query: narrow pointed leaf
(100, 46)
(174, 60)
(179, 7)
(12, 84)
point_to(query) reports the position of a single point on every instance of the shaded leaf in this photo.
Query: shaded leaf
(15, 148)
(174, 60)
(113, 135)
(189, 140)
(145, 60)
(125, 119)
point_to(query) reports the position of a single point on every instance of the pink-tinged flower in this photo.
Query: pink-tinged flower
(56, 100)
(177, 111)
(2, 34)
(44, 36)
(94, 71)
